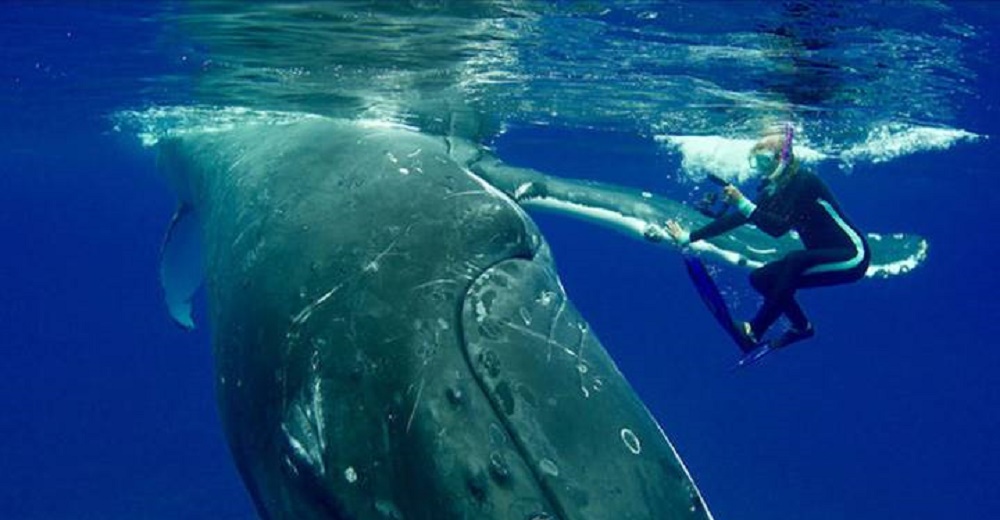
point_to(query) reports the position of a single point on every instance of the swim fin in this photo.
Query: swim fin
(792, 335)
(765, 347)
(754, 355)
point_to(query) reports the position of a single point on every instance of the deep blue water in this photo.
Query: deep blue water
(107, 410)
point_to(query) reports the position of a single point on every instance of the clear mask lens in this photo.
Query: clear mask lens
(763, 162)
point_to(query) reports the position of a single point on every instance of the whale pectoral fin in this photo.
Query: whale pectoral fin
(894, 254)
(181, 270)
(633, 212)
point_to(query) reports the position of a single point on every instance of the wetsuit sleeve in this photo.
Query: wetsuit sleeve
(719, 226)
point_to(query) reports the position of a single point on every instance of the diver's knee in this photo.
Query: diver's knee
(758, 280)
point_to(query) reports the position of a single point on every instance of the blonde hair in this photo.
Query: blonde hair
(772, 142)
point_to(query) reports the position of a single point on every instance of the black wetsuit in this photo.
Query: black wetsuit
(835, 251)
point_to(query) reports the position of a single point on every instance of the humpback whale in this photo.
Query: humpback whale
(391, 336)
(392, 340)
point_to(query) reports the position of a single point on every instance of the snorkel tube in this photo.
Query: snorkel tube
(786, 150)
(786, 153)
(769, 183)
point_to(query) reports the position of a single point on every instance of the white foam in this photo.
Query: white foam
(152, 124)
(156, 123)
(727, 157)
(892, 140)
(723, 156)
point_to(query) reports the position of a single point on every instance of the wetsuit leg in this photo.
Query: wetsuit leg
(764, 280)
(778, 281)
(795, 314)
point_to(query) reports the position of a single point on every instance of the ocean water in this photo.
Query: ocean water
(107, 410)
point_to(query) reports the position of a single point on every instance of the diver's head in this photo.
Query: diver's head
(772, 156)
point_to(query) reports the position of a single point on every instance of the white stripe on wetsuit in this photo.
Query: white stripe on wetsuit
(859, 246)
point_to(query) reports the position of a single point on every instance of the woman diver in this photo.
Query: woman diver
(789, 198)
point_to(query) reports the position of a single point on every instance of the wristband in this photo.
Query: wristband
(746, 207)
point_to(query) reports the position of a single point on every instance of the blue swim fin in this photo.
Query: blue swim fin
(792, 336)
(754, 355)
(767, 346)
(710, 294)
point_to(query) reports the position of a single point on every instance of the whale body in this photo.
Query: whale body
(392, 340)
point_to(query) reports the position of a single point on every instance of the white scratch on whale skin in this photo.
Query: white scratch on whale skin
(306, 312)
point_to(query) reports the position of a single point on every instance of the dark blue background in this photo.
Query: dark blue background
(107, 410)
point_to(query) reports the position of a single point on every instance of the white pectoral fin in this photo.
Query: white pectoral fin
(181, 269)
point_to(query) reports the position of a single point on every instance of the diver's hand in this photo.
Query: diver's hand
(677, 233)
(734, 198)
(733, 195)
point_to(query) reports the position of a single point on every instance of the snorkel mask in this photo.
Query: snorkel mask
(771, 165)
(764, 162)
